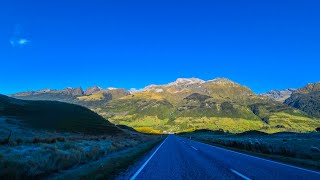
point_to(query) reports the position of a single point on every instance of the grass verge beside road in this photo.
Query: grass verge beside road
(300, 149)
(109, 167)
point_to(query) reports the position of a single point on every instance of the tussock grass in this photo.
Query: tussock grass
(302, 149)
(92, 97)
(38, 153)
(111, 166)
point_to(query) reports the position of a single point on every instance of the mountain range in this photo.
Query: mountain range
(279, 95)
(190, 103)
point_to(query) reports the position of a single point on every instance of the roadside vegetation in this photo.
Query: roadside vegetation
(113, 165)
(297, 148)
(28, 153)
(41, 139)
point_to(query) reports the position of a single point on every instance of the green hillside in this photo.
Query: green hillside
(56, 116)
(190, 104)
(214, 105)
(306, 99)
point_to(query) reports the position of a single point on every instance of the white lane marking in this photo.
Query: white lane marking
(259, 158)
(141, 168)
(239, 174)
(194, 148)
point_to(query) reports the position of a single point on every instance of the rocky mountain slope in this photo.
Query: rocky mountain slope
(277, 95)
(189, 104)
(306, 99)
(91, 97)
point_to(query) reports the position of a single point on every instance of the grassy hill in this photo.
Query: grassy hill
(220, 104)
(56, 116)
(190, 104)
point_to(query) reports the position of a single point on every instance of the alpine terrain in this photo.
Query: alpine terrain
(189, 104)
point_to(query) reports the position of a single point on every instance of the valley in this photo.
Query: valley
(74, 133)
(42, 139)
(189, 104)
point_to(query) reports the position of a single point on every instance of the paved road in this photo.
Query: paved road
(179, 158)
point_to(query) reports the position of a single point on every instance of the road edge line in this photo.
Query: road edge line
(258, 157)
(147, 161)
(194, 148)
(239, 174)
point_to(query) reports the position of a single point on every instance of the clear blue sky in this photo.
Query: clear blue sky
(263, 44)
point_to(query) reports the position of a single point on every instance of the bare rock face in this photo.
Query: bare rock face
(29, 93)
(67, 91)
(194, 85)
(179, 84)
(26, 93)
(186, 82)
(280, 96)
(92, 90)
(72, 91)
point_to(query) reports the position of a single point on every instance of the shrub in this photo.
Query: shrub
(314, 149)
(19, 141)
(51, 141)
(280, 126)
(114, 147)
(36, 140)
(12, 143)
(318, 129)
(61, 139)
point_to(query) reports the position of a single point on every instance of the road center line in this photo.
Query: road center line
(194, 148)
(141, 168)
(239, 174)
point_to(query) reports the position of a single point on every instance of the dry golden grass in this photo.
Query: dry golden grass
(148, 130)
(92, 97)
(144, 95)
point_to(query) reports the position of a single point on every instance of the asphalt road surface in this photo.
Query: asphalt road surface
(180, 158)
